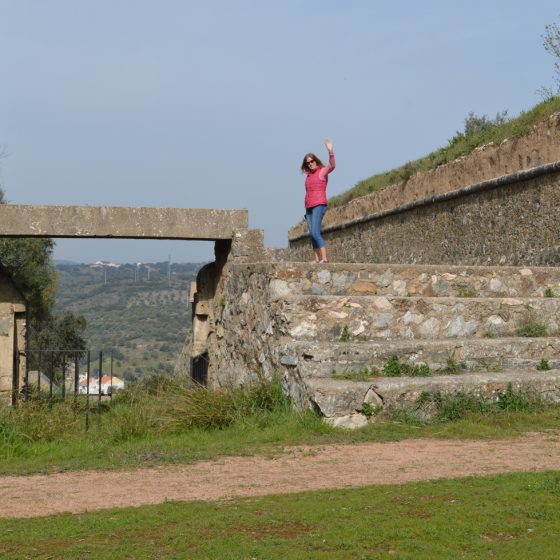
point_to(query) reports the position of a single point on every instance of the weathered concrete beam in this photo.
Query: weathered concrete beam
(120, 222)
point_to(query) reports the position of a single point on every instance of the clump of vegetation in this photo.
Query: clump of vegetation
(151, 409)
(531, 329)
(201, 407)
(443, 408)
(468, 293)
(478, 131)
(394, 368)
(345, 334)
(489, 334)
(543, 365)
(367, 410)
(452, 367)
(549, 293)
(352, 375)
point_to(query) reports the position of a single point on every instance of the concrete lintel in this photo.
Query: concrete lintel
(120, 222)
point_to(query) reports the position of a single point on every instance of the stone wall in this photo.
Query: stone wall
(12, 323)
(287, 319)
(246, 325)
(512, 220)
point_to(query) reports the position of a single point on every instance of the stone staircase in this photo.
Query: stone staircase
(476, 328)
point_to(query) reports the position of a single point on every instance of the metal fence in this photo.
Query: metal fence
(57, 375)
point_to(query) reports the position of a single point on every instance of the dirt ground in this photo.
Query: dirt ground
(296, 470)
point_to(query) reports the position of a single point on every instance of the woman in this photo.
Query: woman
(316, 198)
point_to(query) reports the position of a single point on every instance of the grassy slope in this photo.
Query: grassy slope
(458, 146)
(145, 321)
(127, 442)
(508, 516)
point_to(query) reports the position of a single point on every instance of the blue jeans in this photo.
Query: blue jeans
(314, 217)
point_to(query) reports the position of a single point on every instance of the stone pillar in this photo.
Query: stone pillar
(246, 246)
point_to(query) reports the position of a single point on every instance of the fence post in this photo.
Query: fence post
(100, 377)
(63, 388)
(87, 390)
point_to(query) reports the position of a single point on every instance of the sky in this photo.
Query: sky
(214, 103)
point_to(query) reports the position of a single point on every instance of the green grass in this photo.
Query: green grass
(531, 329)
(511, 517)
(165, 424)
(458, 146)
(394, 368)
(354, 375)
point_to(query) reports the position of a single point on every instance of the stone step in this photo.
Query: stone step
(316, 359)
(341, 401)
(414, 280)
(337, 318)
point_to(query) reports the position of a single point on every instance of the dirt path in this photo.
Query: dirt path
(296, 470)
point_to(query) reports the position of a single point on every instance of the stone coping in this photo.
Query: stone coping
(469, 189)
(306, 266)
(207, 224)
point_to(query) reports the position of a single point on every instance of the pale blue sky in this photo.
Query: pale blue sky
(214, 103)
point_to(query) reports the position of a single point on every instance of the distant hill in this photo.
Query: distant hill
(141, 312)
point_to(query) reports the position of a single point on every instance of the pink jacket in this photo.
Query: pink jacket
(316, 184)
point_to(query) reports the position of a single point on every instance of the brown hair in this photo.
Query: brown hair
(304, 167)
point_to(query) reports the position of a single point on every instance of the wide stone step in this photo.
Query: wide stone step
(414, 280)
(316, 359)
(347, 318)
(341, 402)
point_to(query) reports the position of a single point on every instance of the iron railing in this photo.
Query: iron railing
(48, 374)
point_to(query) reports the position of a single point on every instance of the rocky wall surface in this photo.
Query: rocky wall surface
(511, 221)
(245, 324)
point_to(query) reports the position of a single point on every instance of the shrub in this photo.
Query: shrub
(543, 365)
(393, 367)
(201, 407)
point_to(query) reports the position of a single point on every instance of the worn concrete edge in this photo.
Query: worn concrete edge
(456, 380)
(489, 184)
(228, 220)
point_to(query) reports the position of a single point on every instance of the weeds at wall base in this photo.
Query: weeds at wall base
(436, 407)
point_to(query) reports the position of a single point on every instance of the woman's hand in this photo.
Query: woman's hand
(328, 144)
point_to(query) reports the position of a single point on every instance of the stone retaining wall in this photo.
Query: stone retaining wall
(512, 220)
(539, 147)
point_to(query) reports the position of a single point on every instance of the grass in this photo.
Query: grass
(436, 407)
(531, 329)
(468, 293)
(513, 516)
(157, 425)
(353, 375)
(458, 146)
(452, 367)
(394, 368)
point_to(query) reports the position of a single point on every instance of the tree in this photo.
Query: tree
(475, 124)
(551, 43)
(65, 334)
(29, 263)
